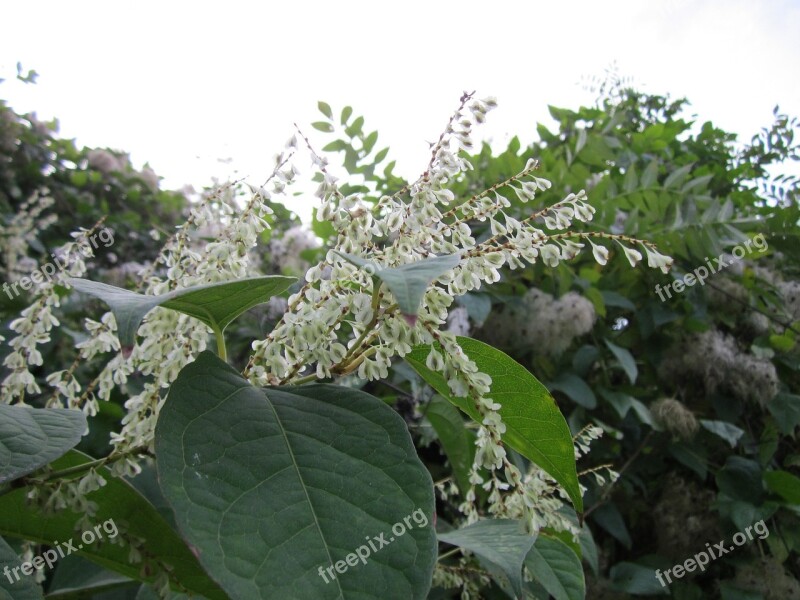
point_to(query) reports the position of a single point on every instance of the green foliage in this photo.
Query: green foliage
(133, 516)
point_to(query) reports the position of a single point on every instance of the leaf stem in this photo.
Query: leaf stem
(222, 352)
(305, 379)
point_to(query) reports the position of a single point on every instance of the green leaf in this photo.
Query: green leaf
(693, 457)
(614, 299)
(215, 304)
(380, 156)
(369, 142)
(626, 360)
(501, 542)
(650, 174)
(534, 426)
(335, 146)
(677, 177)
(784, 484)
(355, 127)
(325, 109)
(128, 511)
(20, 586)
(609, 518)
(346, 112)
(557, 568)
(636, 579)
(408, 283)
(275, 485)
(727, 431)
(323, 126)
(589, 548)
(741, 479)
(32, 437)
(631, 181)
(744, 514)
(785, 408)
(457, 441)
(576, 388)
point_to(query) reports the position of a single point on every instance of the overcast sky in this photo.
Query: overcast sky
(181, 85)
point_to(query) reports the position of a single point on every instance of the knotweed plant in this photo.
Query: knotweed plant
(383, 291)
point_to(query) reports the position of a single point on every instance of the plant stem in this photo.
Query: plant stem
(449, 553)
(222, 352)
(305, 379)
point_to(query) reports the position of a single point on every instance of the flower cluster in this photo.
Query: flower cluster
(33, 326)
(24, 227)
(343, 321)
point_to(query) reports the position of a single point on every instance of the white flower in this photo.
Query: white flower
(633, 255)
(600, 253)
(657, 260)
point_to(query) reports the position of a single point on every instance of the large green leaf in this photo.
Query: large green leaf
(121, 503)
(408, 283)
(215, 304)
(32, 437)
(501, 542)
(275, 486)
(15, 584)
(557, 568)
(534, 426)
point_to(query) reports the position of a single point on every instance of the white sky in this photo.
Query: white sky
(182, 84)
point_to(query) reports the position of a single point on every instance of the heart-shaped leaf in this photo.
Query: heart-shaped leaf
(534, 426)
(215, 304)
(501, 542)
(119, 502)
(408, 283)
(557, 568)
(14, 583)
(32, 437)
(293, 492)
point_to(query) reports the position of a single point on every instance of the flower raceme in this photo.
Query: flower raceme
(345, 321)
